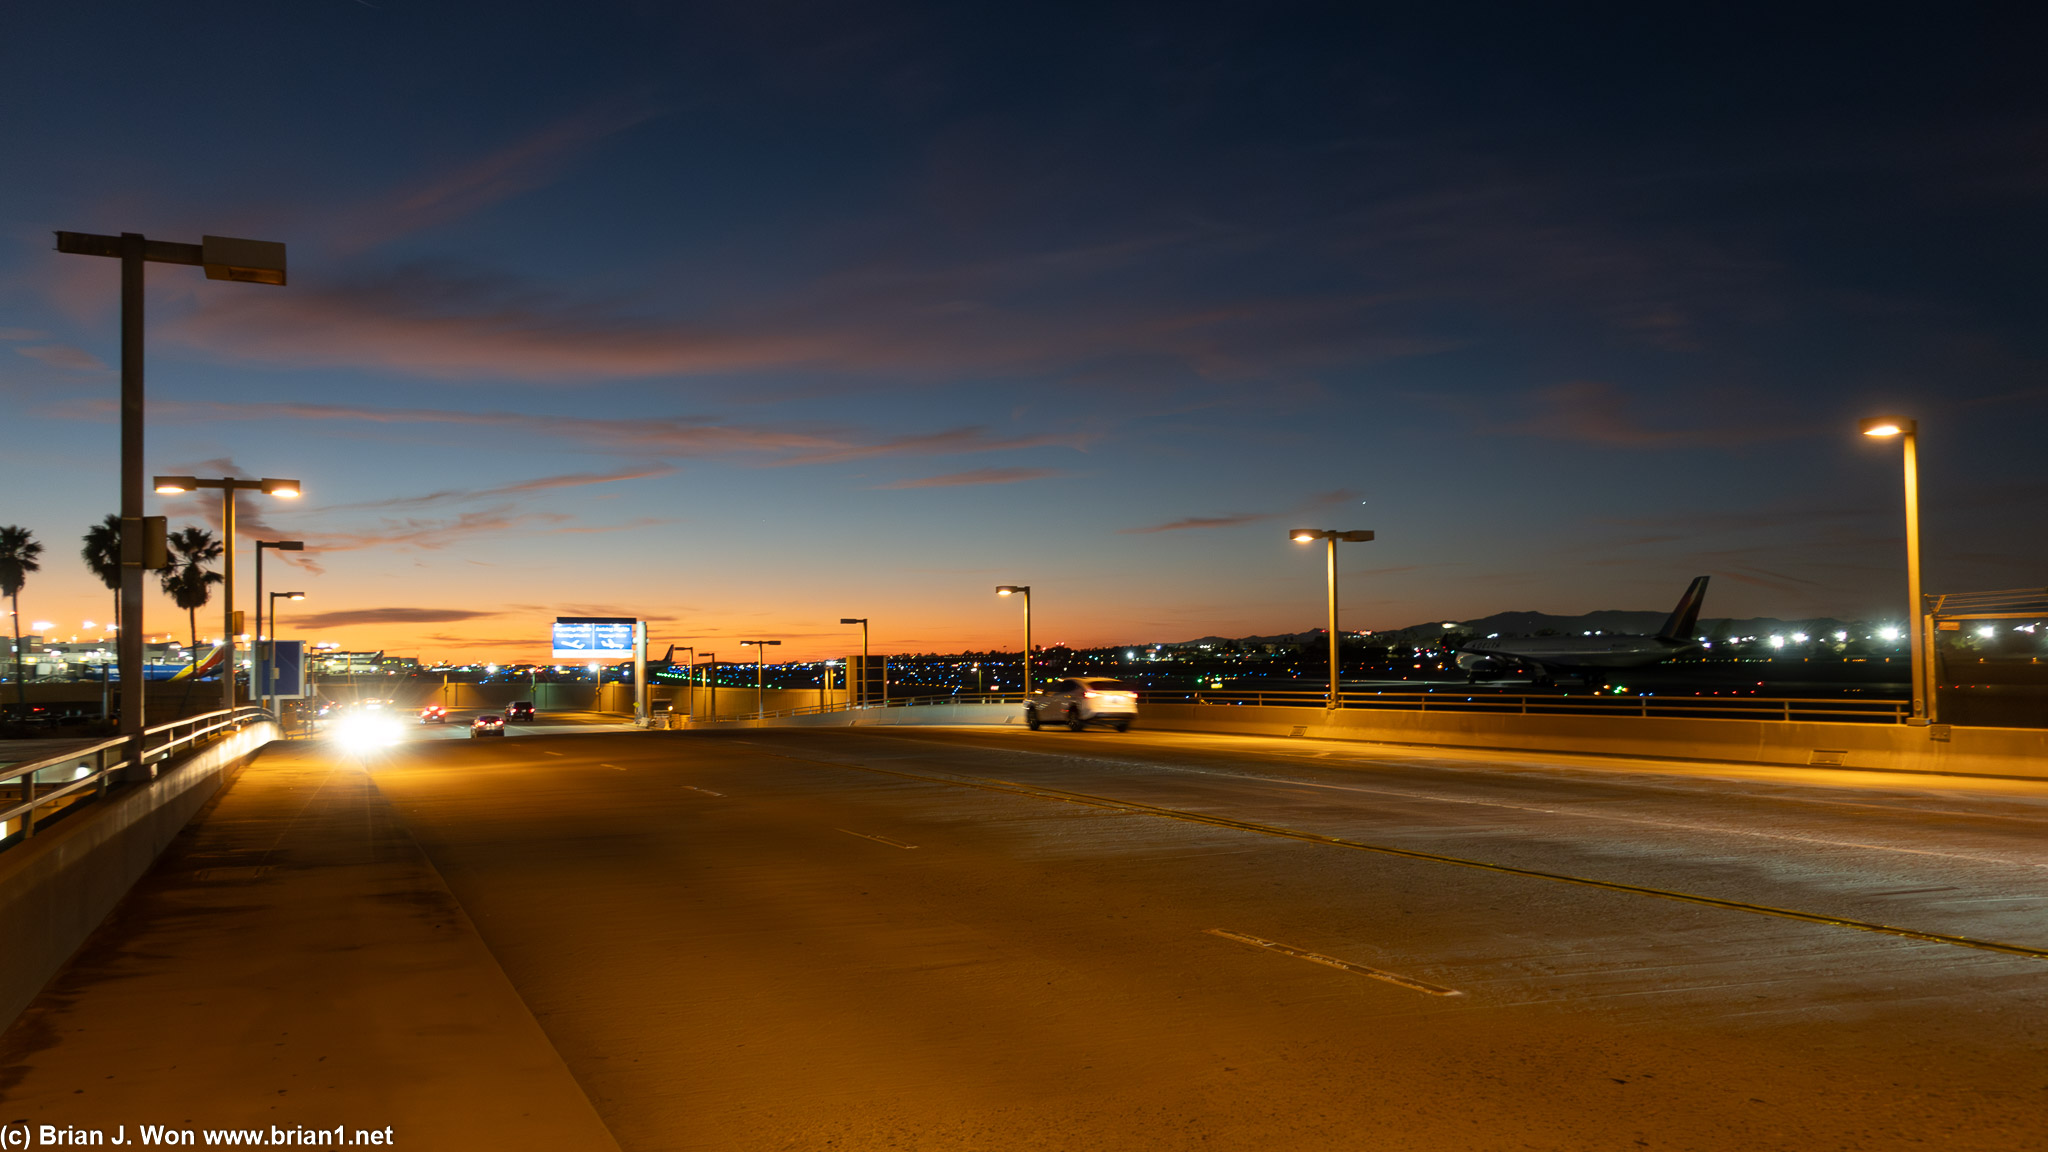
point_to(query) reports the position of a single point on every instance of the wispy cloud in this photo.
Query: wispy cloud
(975, 476)
(542, 484)
(64, 356)
(674, 436)
(1320, 500)
(1597, 412)
(354, 616)
(530, 162)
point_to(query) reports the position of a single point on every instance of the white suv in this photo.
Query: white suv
(1079, 701)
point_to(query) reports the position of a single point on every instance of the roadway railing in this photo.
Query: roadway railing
(901, 702)
(1683, 707)
(1694, 707)
(94, 766)
(1661, 706)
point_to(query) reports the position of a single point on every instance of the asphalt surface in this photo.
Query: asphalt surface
(976, 938)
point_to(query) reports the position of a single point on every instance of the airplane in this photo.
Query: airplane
(1590, 658)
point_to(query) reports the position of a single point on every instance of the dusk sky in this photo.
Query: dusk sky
(743, 317)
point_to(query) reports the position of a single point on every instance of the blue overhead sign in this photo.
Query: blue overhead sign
(593, 638)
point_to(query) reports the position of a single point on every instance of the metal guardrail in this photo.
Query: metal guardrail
(1693, 707)
(1697, 707)
(1682, 707)
(94, 765)
(902, 702)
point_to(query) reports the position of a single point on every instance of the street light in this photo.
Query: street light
(266, 665)
(863, 622)
(224, 258)
(689, 684)
(228, 486)
(1023, 590)
(757, 646)
(263, 651)
(1309, 535)
(1908, 432)
(711, 679)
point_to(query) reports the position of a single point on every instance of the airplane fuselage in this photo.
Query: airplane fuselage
(1572, 652)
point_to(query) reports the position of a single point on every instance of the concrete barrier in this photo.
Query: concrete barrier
(2014, 752)
(2018, 752)
(57, 887)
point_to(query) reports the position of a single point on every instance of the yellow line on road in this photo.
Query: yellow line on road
(1333, 962)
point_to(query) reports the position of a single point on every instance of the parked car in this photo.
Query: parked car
(1079, 701)
(433, 714)
(519, 710)
(487, 726)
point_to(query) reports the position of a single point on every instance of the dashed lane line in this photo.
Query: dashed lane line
(876, 839)
(1332, 962)
(1135, 807)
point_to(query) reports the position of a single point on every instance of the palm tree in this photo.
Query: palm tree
(18, 552)
(102, 553)
(187, 581)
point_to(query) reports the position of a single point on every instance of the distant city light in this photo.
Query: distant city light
(1799, 637)
(1987, 631)
(1777, 641)
(1888, 633)
(1840, 636)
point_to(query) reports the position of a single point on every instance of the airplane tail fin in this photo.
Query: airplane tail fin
(1687, 615)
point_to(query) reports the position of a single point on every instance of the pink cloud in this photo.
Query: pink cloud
(976, 476)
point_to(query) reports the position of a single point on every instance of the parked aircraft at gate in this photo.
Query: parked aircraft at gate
(1588, 657)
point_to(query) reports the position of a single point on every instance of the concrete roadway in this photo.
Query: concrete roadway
(979, 938)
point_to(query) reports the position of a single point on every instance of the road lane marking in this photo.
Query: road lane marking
(1562, 813)
(613, 767)
(1333, 962)
(706, 791)
(545, 752)
(1132, 806)
(877, 839)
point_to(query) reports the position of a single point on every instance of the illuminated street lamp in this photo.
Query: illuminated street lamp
(711, 679)
(1023, 590)
(228, 486)
(224, 258)
(1310, 535)
(267, 666)
(263, 649)
(863, 622)
(1908, 432)
(757, 646)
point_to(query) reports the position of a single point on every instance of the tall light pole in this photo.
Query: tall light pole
(263, 650)
(1308, 535)
(1023, 590)
(689, 683)
(863, 622)
(711, 681)
(267, 667)
(760, 709)
(228, 486)
(1908, 432)
(224, 258)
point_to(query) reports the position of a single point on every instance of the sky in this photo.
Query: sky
(744, 317)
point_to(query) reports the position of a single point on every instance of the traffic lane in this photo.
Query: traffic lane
(1973, 866)
(732, 948)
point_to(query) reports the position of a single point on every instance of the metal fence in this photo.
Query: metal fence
(1684, 707)
(88, 771)
(1692, 707)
